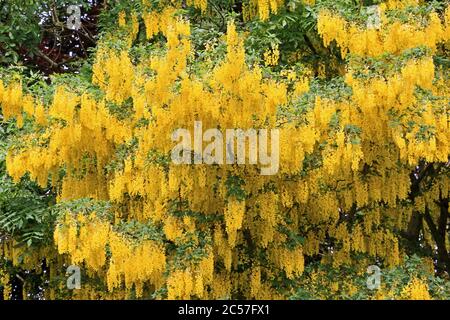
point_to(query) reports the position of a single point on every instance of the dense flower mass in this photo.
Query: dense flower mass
(348, 184)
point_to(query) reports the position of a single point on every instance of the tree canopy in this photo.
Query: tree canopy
(358, 91)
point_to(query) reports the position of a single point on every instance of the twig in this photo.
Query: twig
(46, 58)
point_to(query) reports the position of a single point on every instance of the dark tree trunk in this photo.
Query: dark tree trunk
(439, 234)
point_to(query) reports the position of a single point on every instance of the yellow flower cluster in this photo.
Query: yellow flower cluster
(86, 238)
(192, 282)
(122, 19)
(201, 4)
(11, 99)
(378, 97)
(20, 255)
(394, 37)
(416, 290)
(114, 74)
(135, 264)
(255, 282)
(159, 21)
(4, 282)
(131, 29)
(271, 56)
(261, 8)
(234, 215)
(88, 130)
(400, 4)
(290, 261)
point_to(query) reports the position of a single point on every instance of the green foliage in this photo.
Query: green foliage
(24, 207)
(392, 282)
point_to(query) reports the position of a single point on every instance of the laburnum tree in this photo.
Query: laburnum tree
(359, 91)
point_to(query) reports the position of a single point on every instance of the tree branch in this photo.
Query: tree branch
(46, 58)
(443, 256)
